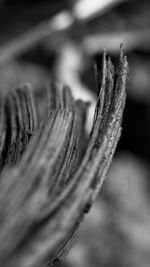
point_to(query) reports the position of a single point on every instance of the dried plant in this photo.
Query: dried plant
(46, 183)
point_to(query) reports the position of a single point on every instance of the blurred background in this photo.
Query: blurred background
(43, 40)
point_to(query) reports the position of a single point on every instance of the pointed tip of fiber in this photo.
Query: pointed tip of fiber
(104, 58)
(121, 52)
(104, 53)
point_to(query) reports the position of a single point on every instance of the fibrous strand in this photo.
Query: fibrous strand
(48, 181)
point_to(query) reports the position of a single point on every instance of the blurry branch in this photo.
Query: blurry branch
(60, 23)
(86, 10)
(92, 44)
(45, 196)
(21, 44)
(131, 39)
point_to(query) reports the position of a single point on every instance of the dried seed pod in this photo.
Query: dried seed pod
(46, 194)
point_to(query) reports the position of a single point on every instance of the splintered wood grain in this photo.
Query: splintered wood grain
(47, 192)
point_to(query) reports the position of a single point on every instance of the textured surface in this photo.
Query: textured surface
(45, 195)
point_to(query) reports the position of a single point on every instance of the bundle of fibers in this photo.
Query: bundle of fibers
(47, 183)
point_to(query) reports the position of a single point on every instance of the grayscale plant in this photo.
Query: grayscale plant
(48, 180)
